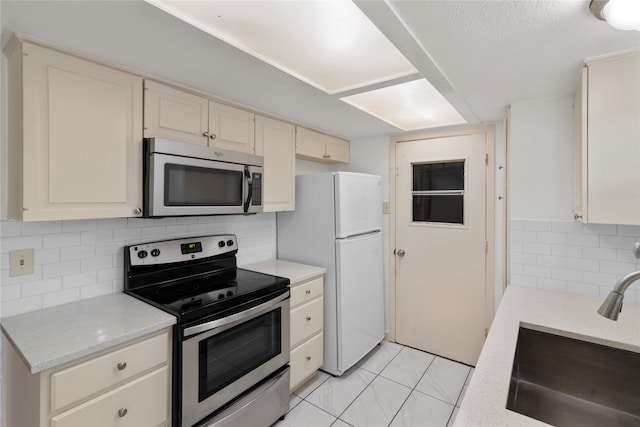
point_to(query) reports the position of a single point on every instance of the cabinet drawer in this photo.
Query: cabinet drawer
(95, 375)
(305, 360)
(306, 291)
(306, 321)
(142, 402)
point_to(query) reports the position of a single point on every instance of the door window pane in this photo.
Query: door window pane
(438, 208)
(438, 192)
(438, 176)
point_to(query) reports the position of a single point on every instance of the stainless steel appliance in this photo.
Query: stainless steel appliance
(231, 349)
(183, 179)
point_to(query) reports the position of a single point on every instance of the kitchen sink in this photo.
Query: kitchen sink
(569, 382)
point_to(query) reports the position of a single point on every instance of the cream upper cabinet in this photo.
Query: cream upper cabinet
(75, 137)
(175, 114)
(276, 141)
(607, 132)
(231, 128)
(178, 115)
(318, 147)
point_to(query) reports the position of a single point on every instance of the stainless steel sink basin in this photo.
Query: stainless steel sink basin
(568, 382)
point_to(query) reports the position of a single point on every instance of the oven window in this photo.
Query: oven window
(231, 354)
(196, 186)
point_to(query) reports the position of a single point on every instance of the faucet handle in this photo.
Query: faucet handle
(636, 250)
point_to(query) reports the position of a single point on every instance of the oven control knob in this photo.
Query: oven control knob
(142, 254)
(229, 242)
(221, 243)
(220, 296)
(155, 252)
(229, 293)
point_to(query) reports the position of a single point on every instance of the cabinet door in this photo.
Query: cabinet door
(580, 148)
(276, 141)
(613, 139)
(82, 138)
(337, 150)
(174, 114)
(310, 144)
(231, 128)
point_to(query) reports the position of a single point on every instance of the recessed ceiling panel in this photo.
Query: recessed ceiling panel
(329, 44)
(409, 106)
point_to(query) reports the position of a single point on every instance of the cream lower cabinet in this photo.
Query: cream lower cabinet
(318, 147)
(276, 141)
(306, 330)
(128, 386)
(75, 137)
(607, 142)
(178, 115)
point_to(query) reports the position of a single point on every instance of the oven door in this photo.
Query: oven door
(177, 186)
(224, 358)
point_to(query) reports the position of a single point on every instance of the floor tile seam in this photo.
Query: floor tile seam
(400, 408)
(359, 394)
(463, 386)
(314, 389)
(435, 397)
(323, 410)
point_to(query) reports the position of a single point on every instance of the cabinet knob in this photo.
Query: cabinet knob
(326, 156)
(138, 211)
(308, 291)
(205, 134)
(122, 412)
(308, 317)
(213, 136)
(122, 366)
(308, 357)
(577, 216)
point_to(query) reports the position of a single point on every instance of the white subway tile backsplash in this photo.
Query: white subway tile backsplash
(584, 240)
(60, 240)
(537, 248)
(82, 259)
(585, 259)
(535, 225)
(41, 227)
(41, 287)
(59, 269)
(602, 254)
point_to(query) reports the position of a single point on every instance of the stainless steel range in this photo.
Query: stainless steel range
(231, 346)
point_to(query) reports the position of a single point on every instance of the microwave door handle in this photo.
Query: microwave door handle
(247, 175)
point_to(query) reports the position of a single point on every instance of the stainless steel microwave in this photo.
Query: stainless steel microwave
(183, 179)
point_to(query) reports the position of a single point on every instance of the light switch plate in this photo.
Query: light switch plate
(20, 262)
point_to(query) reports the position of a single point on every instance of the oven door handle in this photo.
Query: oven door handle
(193, 330)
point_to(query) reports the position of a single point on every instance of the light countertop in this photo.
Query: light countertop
(293, 271)
(54, 336)
(560, 313)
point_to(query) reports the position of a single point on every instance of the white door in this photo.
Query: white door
(359, 290)
(358, 200)
(441, 260)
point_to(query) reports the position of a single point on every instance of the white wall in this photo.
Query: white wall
(547, 248)
(541, 159)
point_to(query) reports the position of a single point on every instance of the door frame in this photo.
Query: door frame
(489, 134)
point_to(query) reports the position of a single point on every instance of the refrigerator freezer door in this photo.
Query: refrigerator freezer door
(360, 297)
(358, 201)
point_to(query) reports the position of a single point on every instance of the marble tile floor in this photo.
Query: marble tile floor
(393, 385)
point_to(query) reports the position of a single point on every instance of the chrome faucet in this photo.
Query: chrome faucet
(612, 306)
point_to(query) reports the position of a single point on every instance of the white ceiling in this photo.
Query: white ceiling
(481, 55)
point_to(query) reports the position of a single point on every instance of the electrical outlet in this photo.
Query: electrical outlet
(20, 262)
(386, 208)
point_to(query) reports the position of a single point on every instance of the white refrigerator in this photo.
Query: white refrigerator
(337, 225)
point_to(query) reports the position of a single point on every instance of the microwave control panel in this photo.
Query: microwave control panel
(256, 184)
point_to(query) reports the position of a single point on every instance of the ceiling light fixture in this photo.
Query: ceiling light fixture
(620, 14)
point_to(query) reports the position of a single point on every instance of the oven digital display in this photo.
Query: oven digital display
(191, 248)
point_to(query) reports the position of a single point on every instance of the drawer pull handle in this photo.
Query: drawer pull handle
(308, 357)
(122, 412)
(308, 317)
(122, 366)
(308, 291)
